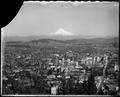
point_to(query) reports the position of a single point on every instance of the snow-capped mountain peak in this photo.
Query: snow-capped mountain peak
(62, 32)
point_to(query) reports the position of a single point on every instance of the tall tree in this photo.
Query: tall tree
(91, 87)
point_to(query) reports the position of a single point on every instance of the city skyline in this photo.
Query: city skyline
(61, 48)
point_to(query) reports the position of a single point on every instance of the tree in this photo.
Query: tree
(91, 87)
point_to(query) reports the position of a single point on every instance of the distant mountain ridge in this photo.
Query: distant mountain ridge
(48, 37)
(93, 40)
(114, 40)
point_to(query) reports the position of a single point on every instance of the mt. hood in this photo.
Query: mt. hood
(62, 32)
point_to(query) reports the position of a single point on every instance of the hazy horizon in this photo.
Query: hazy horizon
(88, 19)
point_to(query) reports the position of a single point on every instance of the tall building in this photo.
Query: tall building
(56, 61)
(63, 61)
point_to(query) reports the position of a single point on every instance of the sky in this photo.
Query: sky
(96, 19)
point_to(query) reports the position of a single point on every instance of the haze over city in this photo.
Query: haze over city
(87, 19)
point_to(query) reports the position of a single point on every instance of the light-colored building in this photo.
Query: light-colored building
(87, 61)
(54, 90)
(116, 67)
